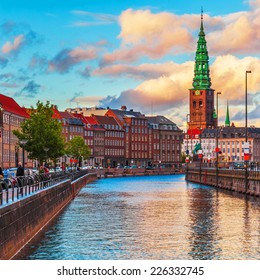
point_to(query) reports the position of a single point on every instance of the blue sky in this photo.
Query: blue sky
(134, 53)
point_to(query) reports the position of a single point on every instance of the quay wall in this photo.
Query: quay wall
(24, 219)
(232, 180)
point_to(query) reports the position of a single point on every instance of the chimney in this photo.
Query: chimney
(123, 108)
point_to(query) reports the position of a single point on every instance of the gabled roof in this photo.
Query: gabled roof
(159, 120)
(94, 124)
(11, 106)
(106, 120)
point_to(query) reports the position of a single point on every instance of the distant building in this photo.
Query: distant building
(166, 140)
(114, 146)
(231, 143)
(135, 125)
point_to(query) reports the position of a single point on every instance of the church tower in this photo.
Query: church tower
(201, 95)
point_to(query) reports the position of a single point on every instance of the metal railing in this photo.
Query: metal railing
(14, 188)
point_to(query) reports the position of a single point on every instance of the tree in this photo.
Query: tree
(43, 134)
(77, 148)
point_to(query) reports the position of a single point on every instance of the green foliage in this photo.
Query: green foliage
(77, 148)
(43, 134)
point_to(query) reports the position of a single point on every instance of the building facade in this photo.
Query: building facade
(11, 117)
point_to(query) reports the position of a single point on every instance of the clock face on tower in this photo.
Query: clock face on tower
(197, 92)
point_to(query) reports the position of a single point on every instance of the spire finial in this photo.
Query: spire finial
(201, 19)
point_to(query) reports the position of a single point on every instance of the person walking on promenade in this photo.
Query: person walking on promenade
(20, 170)
(1, 173)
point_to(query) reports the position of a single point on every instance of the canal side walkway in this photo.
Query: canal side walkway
(26, 216)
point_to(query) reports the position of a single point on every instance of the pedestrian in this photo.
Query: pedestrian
(1, 173)
(20, 170)
(46, 170)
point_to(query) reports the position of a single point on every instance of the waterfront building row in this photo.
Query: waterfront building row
(115, 136)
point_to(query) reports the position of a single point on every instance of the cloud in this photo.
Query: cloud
(99, 18)
(8, 26)
(19, 41)
(3, 62)
(75, 95)
(14, 47)
(86, 73)
(85, 101)
(67, 58)
(142, 71)
(154, 35)
(38, 62)
(8, 85)
(30, 90)
(166, 86)
(146, 34)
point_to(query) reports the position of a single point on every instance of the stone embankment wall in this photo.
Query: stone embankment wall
(232, 180)
(22, 220)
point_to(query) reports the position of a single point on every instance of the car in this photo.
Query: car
(239, 165)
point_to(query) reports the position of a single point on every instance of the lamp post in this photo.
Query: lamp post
(23, 143)
(246, 136)
(217, 149)
(187, 146)
(200, 129)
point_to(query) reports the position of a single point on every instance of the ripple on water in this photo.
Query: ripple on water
(153, 217)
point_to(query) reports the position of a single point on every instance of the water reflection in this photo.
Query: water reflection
(203, 224)
(160, 217)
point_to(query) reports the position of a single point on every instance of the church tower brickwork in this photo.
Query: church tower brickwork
(201, 95)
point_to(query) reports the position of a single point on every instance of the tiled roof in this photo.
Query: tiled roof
(94, 124)
(11, 106)
(231, 132)
(159, 120)
(105, 120)
(66, 115)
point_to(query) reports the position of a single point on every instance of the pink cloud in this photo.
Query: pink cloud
(146, 34)
(167, 89)
(9, 47)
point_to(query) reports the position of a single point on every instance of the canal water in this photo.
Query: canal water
(153, 217)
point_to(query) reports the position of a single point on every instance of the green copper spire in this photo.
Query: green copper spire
(201, 78)
(214, 114)
(227, 121)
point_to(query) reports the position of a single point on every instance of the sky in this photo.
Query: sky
(82, 53)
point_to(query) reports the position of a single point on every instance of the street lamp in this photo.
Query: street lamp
(187, 146)
(200, 129)
(246, 145)
(217, 149)
(23, 143)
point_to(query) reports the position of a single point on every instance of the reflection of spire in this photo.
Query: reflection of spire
(227, 121)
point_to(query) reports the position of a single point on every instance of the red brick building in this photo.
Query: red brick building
(11, 117)
(135, 125)
(97, 134)
(166, 140)
(114, 141)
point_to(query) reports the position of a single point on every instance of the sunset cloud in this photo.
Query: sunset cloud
(171, 91)
(67, 58)
(154, 35)
(146, 34)
(10, 47)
